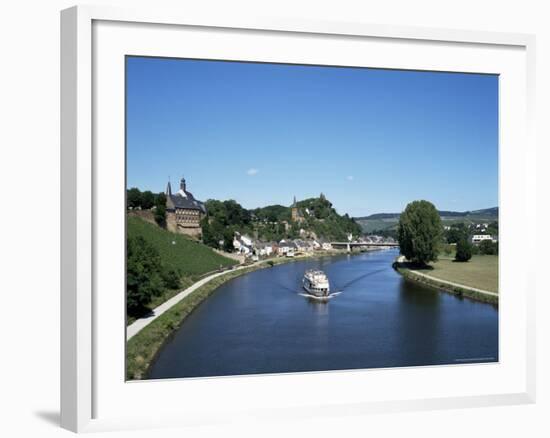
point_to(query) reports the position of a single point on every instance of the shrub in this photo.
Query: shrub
(488, 247)
(171, 279)
(463, 251)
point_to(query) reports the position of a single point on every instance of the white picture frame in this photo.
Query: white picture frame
(92, 395)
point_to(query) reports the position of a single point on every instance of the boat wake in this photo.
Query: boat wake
(355, 280)
(324, 298)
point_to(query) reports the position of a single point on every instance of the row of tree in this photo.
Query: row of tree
(147, 200)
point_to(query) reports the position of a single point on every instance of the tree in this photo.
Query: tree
(488, 247)
(228, 240)
(463, 251)
(143, 275)
(456, 233)
(420, 232)
(160, 209)
(133, 198)
(147, 200)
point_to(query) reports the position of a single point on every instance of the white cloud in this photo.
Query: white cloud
(252, 171)
(349, 178)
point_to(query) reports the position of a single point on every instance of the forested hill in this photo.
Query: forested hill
(384, 221)
(485, 213)
(318, 219)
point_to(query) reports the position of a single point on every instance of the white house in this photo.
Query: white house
(243, 244)
(246, 240)
(477, 238)
(285, 247)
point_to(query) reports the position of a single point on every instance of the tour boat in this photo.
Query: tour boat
(316, 283)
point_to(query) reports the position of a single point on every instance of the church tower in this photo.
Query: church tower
(295, 214)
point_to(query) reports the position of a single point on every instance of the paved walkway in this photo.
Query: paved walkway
(401, 259)
(143, 322)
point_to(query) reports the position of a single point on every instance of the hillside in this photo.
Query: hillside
(318, 218)
(385, 221)
(187, 257)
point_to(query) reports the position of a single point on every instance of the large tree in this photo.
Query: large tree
(420, 232)
(133, 197)
(143, 274)
(147, 200)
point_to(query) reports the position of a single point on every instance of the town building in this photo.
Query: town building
(184, 213)
(296, 214)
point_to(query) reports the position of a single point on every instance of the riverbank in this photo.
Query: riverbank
(143, 346)
(455, 288)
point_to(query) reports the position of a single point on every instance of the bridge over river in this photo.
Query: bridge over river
(364, 245)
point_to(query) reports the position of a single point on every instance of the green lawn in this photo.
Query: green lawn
(189, 257)
(480, 272)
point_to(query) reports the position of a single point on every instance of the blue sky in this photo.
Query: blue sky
(370, 140)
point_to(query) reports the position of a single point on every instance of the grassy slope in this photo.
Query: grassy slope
(480, 272)
(188, 257)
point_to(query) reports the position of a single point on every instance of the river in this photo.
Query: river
(261, 323)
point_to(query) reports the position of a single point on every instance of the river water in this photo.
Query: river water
(262, 323)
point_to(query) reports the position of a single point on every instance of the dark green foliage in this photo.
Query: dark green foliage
(160, 209)
(147, 200)
(488, 247)
(171, 278)
(325, 221)
(456, 232)
(463, 251)
(213, 232)
(272, 213)
(133, 198)
(228, 213)
(223, 219)
(144, 200)
(144, 279)
(420, 232)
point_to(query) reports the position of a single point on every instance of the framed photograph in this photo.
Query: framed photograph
(290, 218)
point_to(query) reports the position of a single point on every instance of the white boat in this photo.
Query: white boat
(316, 283)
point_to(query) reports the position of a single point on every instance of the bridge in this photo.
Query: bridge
(364, 245)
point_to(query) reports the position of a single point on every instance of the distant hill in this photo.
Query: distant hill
(383, 221)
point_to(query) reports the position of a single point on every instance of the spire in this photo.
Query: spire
(294, 203)
(168, 188)
(182, 184)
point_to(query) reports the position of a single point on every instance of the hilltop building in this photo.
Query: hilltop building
(183, 212)
(296, 214)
